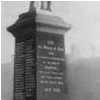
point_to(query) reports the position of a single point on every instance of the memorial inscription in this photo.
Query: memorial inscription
(50, 64)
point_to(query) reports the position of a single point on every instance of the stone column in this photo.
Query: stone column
(39, 69)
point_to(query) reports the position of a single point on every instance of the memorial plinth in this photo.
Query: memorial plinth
(39, 68)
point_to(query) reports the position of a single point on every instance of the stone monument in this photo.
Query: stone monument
(39, 67)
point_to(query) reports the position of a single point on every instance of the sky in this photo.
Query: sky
(83, 40)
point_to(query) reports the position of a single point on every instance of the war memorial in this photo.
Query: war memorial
(39, 67)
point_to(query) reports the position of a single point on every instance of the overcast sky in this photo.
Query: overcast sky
(84, 17)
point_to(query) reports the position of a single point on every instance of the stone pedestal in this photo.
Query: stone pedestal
(39, 69)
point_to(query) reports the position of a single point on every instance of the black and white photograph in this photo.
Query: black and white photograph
(50, 50)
